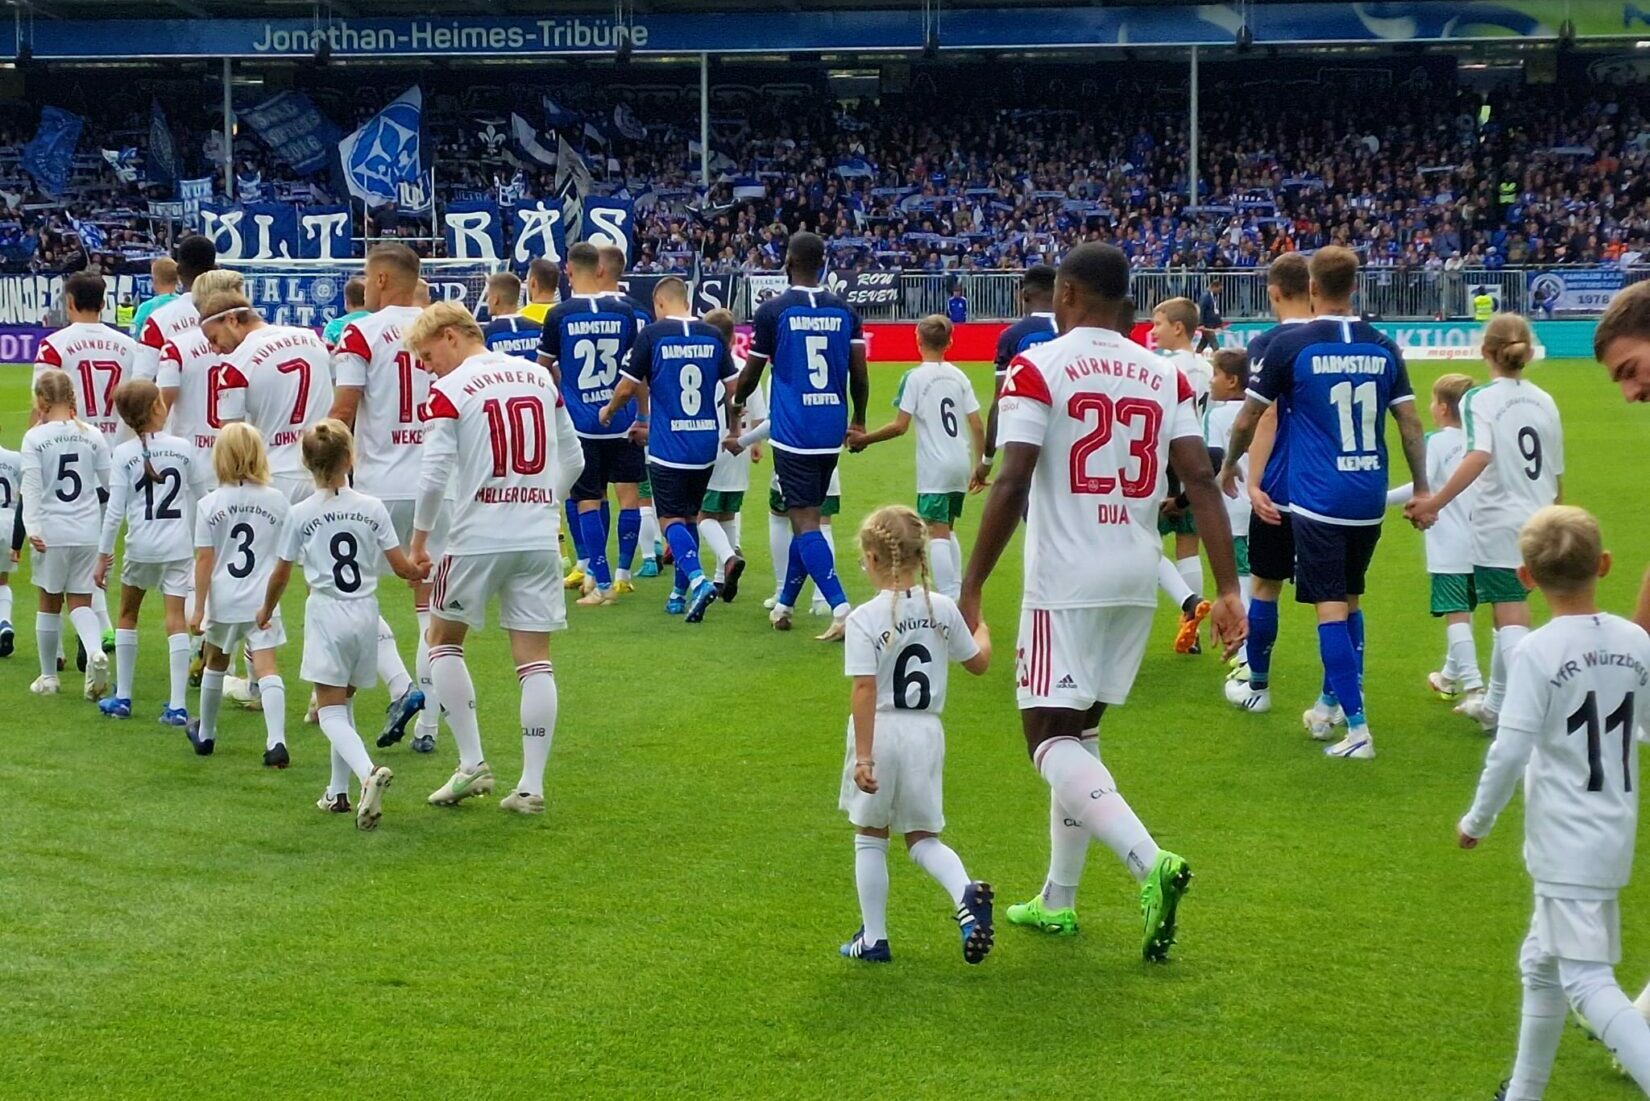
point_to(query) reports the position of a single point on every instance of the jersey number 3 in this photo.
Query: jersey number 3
(1142, 420)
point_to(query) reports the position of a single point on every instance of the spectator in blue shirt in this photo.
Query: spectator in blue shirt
(956, 308)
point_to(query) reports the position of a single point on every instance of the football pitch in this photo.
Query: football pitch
(178, 926)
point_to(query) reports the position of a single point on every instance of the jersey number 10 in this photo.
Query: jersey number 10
(517, 432)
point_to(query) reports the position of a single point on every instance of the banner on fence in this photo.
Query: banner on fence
(1583, 290)
(862, 289)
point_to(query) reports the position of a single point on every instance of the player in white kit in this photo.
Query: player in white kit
(278, 379)
(236, 527)
(1571, 727)
(152, 490)
(339, 536)
(939, 398)
(499, 439)
(11, 516)
(65, 465)
(1515, 455)
(379, 392)
(1228, 381)
(175, 317)
(730, 479)
(1089, 425)
(97, 358)
(1174, 324)
(898, 649)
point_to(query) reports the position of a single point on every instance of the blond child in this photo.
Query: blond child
(1174, 324)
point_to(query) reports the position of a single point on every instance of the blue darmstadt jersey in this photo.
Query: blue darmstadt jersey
(681, 361)
(1028, 332)
(589, 336)
(514, 335)
(1274, 480)
(807, 335)
(1340, 375)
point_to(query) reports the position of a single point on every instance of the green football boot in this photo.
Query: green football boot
(1059, 923)
(1159, 898)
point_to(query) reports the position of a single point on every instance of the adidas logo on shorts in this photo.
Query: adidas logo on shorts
(1066, 682)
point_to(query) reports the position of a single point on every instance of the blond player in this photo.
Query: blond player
(1090, 425)
(499, 438)
(339, 536)
(379, 393)
(1569, 728)
(1174, 323)
(278, 379)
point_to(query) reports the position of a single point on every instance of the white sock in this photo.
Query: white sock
(871, 877)
(125, 663)
(939, 860)
(338, 783)
(732, 528)
(1592, 989)
(1463, 656)
(211, 700)
(716, 538)
(346, 743)
(452, 682)
(1541, 1025)
(429, 719)
(1642, 1002)
(1505, 639)
(1088, 793)
(65, 631)
(84, 621)
(1191, 571)
(48, 632)
(649, 534)
(272, 690)
(1169, 579)
(391, 669)
(1246, 589)
(957, 561)
(5, 603)
(100, 608)
(177, 662)
(539, 699)
(939, 563)
(1068, 843)
(779, 548)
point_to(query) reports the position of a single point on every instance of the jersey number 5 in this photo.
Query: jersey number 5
(1143, 421)
(517, 432)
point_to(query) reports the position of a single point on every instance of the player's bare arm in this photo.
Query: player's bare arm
(1189, 459)
(278, 578)
(865, 717)
(1003, 510)
(346, 403)
(1424, 509)
(1260, 454)
(403, 566)
(859, 384)
(899, 426)
(1243, 434)
(750, 377)
(1413, 436)
(204, 559)
(988, 452)
(549, 364)
(627, 389)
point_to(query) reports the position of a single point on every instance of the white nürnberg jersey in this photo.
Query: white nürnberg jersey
(1103, 410)
(907, 640)
(159, 512)
(939, 398)
(1197, 372)
(242, 524)
(1449, 541)
(732, 473)
(1576, 686)
(97, 360)
(1517, 423)
(500, 442)
(191, 366)
(339, 540)
(165, 323)
(394, 387)
(1217, 432)
(65, 463)
(11, 490)
(280, 382)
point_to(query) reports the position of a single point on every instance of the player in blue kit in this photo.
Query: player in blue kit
(814, 342)
(590, 335)
(1034, 327)
(509, 331)
(638, 527)
(1340, 376)
(679, 363)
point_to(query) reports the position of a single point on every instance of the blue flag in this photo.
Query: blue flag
(47, 157)
(295, 130)
(386, 152)
(607, 221)
(474, 230)
(161, 163)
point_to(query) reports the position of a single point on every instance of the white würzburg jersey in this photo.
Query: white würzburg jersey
(1103, 410)
(732, 473)
(1517, 423)
(11, 491)
(339, 540)
(938, 398)
(242, 524)
(1218, 419)
(1577, 688)
(1449, 541)
(97, 360)
(394, 387)
(280, 382)
(165, 323)
(501, 445)
(907, 641)
(159, 512)
(65, 463)
(1197, 371)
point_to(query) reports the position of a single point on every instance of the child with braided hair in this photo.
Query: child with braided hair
(898, 646)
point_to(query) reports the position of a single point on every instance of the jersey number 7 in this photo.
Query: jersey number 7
(1141, 419)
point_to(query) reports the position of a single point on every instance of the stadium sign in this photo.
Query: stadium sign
(817, 31)
(866, 288)
(1583, 290)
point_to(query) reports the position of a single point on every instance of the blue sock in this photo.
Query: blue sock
(575, 527)
(630, 532)
(1263, 635)
(821, 563)
(607, 517)
(1355, 629)
(796, 575)
(684, 547)
(1340, 662)
(595, 547)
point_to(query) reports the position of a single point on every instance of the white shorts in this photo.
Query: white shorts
(59, 570)
(296, 487)
(1077, 657)
(228, 636)
(340, 642)
(527, 582)
(1585, 929)
(171, 578)
(909, 751)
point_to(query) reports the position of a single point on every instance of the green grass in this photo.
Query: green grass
(174, 926)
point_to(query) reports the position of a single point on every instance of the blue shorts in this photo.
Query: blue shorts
(678, 493)
(804, 480)
(1331, 559)
(608, 461)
